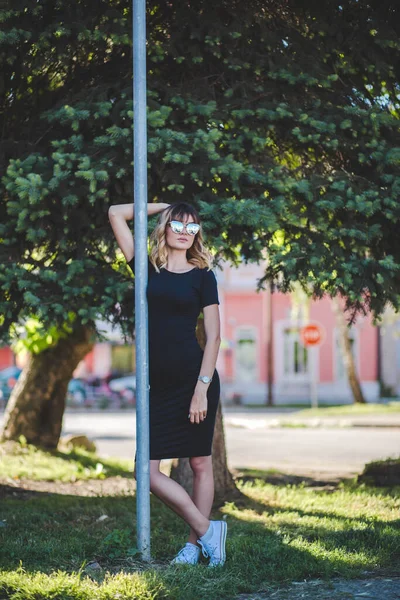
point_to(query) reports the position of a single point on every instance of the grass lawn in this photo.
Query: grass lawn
(352, 410)
(371, 408)
(276, 533)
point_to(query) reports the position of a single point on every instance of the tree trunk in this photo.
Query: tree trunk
(224, 483)
(36, 406)
(348, 358)
(270, 333)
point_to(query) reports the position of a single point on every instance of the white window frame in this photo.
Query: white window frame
(279, 359)
(238, 335)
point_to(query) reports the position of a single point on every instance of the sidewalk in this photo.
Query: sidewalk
(267, 418)
(371, 587)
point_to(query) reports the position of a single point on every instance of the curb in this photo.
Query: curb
(309, 423)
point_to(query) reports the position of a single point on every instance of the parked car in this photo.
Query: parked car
(76, 392)
(125, 386)
(12, 371)
(8, 378)
(101, 395)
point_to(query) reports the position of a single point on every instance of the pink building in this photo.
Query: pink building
(244, 363)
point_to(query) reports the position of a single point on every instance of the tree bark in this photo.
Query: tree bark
(36, 406)
(224, 483)
(348, 358)
(270, 333)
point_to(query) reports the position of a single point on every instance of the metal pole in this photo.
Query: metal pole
(314, 376)
(141, 274)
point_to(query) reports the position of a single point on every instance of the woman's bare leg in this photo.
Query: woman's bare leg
(203, 488)
(173, 494)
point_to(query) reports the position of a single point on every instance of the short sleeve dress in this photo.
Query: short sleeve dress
(175, 301)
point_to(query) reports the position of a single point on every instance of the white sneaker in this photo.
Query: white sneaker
(213, 544)
(188, 555)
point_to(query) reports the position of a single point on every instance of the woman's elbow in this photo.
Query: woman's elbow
(214, 339)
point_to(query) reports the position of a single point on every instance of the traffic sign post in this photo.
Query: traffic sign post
(311, 336)
(314, 377)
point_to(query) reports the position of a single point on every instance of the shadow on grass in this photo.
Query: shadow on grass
(276, 477)
(18, 493)
(325, 484)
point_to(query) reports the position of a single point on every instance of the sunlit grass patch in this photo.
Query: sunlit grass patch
(25, 460)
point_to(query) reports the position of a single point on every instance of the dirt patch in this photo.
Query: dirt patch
(116, 486)
(369, 588)
(320, 480)
(27, 488)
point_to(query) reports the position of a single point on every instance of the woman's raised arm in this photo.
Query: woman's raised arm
(119, 214)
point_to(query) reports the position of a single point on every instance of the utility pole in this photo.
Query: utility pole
(141, 275)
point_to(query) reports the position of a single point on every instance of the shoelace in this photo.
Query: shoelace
(203, 548)
(205, 552)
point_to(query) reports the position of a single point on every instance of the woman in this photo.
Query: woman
(184, 384)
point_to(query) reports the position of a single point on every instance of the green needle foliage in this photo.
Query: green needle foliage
(279, 121)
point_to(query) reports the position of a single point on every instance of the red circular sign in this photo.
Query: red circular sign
(311, 335)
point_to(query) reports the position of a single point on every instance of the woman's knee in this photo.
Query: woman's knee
(155, 475)
(153, 483)
(201, 464)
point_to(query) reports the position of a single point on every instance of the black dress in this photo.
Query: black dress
(175, 300)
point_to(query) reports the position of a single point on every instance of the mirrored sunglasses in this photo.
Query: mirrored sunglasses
(178, 227)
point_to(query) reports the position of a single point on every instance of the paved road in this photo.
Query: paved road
(287, 449)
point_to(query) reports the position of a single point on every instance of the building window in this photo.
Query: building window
(295, 355)
(246, 355)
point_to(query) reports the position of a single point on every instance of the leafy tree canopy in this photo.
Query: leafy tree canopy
(280, 121)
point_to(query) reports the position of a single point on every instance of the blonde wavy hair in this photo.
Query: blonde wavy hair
(197, 254)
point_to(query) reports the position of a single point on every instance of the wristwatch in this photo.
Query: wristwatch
(205, 379)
